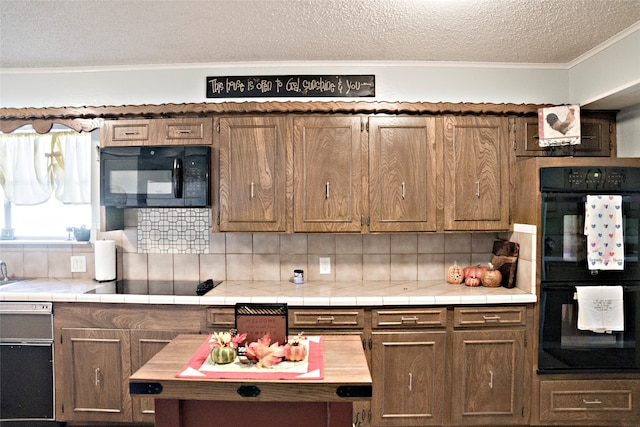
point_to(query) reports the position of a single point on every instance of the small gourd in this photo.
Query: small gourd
(455, 274)
(294, 350)
(223, 355)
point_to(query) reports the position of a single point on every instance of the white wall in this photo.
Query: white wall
(600, 73)
(412, 82)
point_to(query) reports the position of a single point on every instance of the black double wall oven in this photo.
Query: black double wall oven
(563, 347)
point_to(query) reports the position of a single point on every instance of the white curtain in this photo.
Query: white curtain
(34, 167)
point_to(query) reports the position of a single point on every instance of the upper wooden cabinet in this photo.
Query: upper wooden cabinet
(402, 174)
(175, 131)
(597, 130)
(253, 159)
(327, 173)
(476, 173)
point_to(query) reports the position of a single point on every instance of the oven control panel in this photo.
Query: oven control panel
(584, 178)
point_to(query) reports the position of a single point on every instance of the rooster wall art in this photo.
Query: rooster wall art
(559, 125)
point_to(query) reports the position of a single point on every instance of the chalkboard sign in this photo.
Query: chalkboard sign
(349, 86)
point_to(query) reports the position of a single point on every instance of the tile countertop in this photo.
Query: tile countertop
(369, 293)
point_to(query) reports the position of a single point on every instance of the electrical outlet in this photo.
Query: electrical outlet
(325, 265)
(78, 264)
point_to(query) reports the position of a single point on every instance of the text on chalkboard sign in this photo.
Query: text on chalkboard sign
(351, 86)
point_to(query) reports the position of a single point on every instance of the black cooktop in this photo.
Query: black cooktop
(161, 287)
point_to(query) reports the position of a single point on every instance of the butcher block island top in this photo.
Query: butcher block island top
(345, 376)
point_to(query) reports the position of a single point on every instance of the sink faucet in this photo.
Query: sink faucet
(3, 270)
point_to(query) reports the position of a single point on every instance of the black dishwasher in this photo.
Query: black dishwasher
(26, 364)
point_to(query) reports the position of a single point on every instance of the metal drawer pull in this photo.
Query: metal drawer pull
(491, 380)
(494, 317)
(252, 190)
(592, 402)
(477, 188)
(403, 190)
(409, 319)
(129, 133)
(325, 318)
(326, 189)
(97, 376)
(410, 381)
(184, 131)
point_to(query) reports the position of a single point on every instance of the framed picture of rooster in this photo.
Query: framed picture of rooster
(559, 125)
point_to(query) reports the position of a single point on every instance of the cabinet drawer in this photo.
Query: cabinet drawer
(326, 319)
(410, 318)
(128, 132)
(181, 131)
(221, 317)
(590, 400)
(489, 316)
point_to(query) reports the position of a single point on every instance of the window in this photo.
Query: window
(45, 183)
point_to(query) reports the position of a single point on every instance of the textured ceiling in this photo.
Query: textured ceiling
(99, 33)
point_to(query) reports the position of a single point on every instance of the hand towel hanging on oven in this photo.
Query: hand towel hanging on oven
(603, 228)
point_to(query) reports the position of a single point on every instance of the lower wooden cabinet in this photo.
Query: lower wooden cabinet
(144, 345)
(487, 385)
(96, 366)
(590, 402)
(97, 348)
(408, 377)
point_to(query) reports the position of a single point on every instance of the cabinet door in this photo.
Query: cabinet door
(487, 384)
(144, 345)
(596, 131)
(402, 174)
(328, 174)
(96, 368)
(476, 166)
(408, 378)
(252, 173)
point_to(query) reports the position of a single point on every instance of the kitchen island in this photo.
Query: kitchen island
(193, 401)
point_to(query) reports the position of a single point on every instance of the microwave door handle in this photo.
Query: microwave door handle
(177, 178)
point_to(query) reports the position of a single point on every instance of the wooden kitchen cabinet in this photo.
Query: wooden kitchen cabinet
(476, 173)
(597, 130)
(98, 346)
(590, 402)
(337, 321)
(169, 131)
(328, 171)
(97, 366)
(253, 161)
(408, 358)
(144, 345)
(402, 174)
(488, 371)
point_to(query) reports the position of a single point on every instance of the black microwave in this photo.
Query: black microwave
(160, 176)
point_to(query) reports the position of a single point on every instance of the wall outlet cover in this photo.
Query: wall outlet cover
(325, 265)
(79, 264)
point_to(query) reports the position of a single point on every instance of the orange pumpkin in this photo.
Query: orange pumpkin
(455, 274)
(294, 350)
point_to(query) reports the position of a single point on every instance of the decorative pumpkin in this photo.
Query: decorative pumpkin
(295, 351)
(491, 277)
(223, 355)
(455, 274)
(474, 271)
(472, 281)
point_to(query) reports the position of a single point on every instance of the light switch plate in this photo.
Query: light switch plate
(325, 265)
(79, 264)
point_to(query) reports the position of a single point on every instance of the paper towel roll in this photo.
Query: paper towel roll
(105, 260)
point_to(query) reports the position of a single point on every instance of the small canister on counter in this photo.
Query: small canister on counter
(298, 276)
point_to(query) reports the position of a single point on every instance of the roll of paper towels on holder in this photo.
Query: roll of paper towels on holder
(105, 260)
